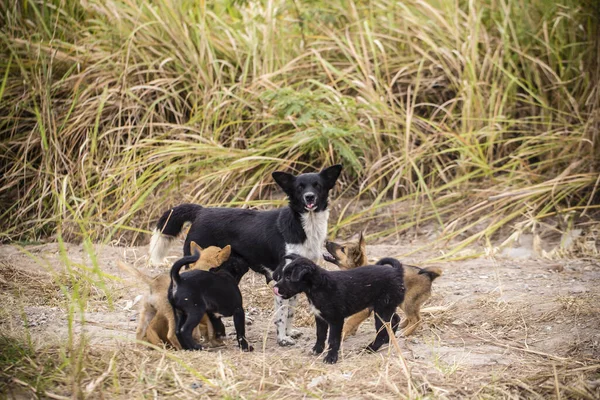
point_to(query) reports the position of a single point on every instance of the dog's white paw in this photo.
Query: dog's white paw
(295, 333)
(286, 341)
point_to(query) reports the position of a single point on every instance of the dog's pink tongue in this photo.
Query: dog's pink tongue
(276, 290)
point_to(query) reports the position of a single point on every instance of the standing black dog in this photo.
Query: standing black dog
(216, 292)
(335, 295)
(261, 238)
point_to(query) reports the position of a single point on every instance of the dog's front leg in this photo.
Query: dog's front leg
(289, 323)
(281, 313)
(239, 321)
(335, 338)
(322, 327)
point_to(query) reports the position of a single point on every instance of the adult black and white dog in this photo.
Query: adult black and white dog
(261, 238)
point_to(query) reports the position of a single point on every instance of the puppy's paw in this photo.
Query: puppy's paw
(318, 349)
(371, 348)
(286, 341)
(330, 358)
(294, 333)
(248, 349)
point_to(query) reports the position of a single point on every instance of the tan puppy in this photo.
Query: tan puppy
(157, 322)
(417, 282)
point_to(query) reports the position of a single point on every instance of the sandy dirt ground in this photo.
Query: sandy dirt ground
(514, 325)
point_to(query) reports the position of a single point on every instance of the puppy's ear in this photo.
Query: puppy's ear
(330, 175)
(194, 247)
(284, 180)
(224, 254)
(301, 271)
(362, 243)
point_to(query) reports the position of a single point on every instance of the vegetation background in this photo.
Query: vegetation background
(111, 111)
(470, 120)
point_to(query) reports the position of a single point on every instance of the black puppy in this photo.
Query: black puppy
(335, 295)
(261, 238)
(216, 292)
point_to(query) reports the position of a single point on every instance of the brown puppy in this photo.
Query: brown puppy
(157, 322)
(417, 281)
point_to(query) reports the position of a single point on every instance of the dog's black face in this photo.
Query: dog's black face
(293, 278)
(308, 192)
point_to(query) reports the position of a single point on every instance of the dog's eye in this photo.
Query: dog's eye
(343, 249)
(301, 186)
(317, 185)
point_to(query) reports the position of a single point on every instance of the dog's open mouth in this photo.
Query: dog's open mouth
(310, 206)
(329, 258)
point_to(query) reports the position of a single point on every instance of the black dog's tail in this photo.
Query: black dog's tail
(390, 261)
(175, 277)
(168, 227)
(431, 272)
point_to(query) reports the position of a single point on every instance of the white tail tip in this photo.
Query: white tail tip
(159, 246)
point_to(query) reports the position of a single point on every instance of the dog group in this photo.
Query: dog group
(285, 245)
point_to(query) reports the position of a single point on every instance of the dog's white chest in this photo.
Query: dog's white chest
(314, 310)
(315, 228)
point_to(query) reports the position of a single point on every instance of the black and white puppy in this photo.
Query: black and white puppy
(215, 292)
(335, 295)
(261, 238)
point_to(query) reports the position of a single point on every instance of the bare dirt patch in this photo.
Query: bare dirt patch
(498, 327)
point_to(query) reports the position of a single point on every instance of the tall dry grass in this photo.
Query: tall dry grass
(466, 116)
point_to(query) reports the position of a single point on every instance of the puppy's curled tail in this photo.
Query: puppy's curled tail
(135, 273)
(168, 227)
(390, 261)
(431, 272)
(175, 277)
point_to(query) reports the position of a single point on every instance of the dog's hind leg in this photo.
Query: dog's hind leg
(239, 321)
(412, 310)
(208, 332)
(289, 323)
(146, 315)
(186, 323)
(172, 330)
(281, 312)
(352, 324)
(217, 325)
(153, 333)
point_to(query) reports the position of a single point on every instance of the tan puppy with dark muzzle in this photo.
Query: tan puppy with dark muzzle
(157, 322)
(417, 282)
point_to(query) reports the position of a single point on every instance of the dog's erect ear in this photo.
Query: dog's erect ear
(194, 247)
(284, 180)
(224, 254)
(301, 271)
(362, 243)
(331, 174)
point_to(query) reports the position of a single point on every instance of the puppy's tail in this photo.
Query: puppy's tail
(134, 272)
(168, 227)
(175, 277)
(431, 272)
(390, 261)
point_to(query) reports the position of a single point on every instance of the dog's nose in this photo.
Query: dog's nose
(309, 198)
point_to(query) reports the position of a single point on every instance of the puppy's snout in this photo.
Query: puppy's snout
(310, 198)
